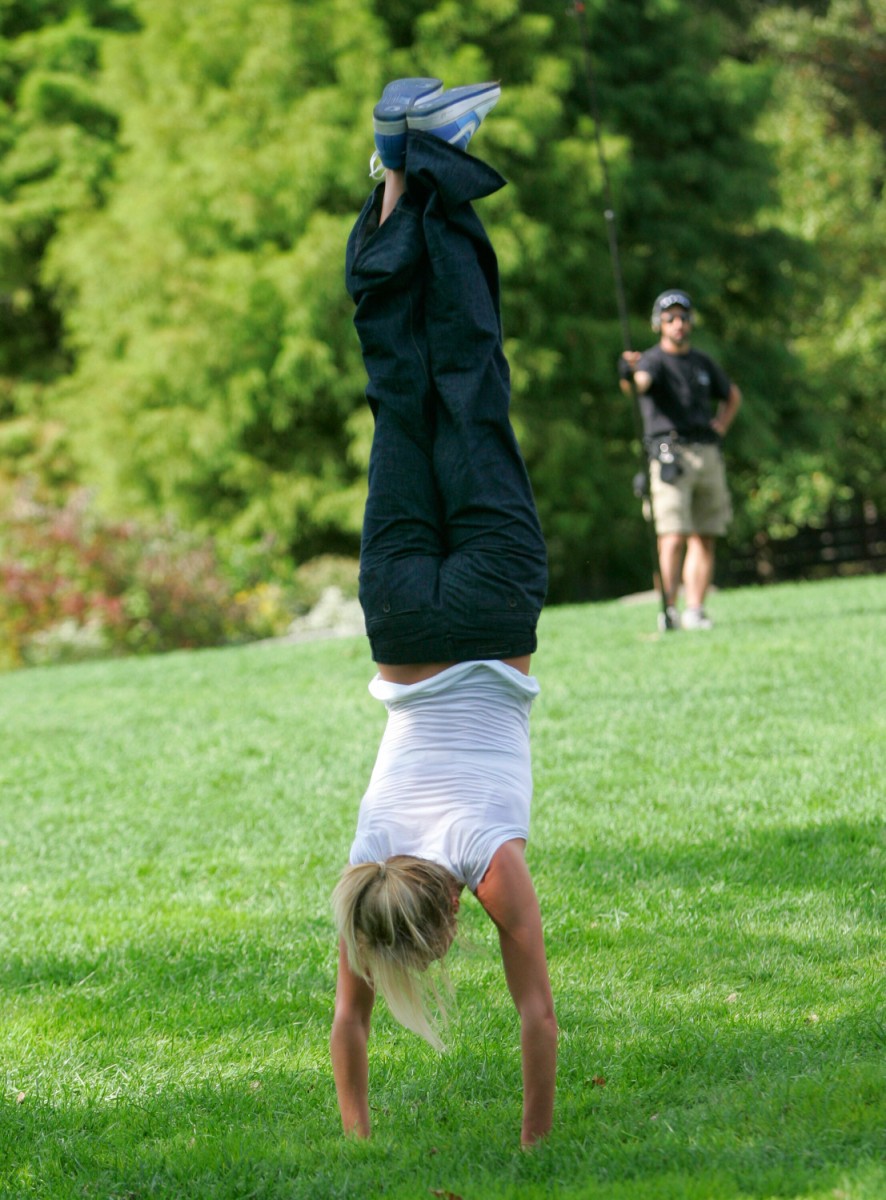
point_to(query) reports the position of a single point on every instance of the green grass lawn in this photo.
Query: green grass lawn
(708, 847)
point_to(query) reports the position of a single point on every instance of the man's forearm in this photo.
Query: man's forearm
(726, 411)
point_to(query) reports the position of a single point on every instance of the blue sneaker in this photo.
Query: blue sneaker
(454, 115)
(389, 121)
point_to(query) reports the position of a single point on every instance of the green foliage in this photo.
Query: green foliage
(177, 183)
(217, 373)
(57, 149)
(216, 366)
(831, 160)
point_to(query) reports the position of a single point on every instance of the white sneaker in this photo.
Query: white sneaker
(668, 620)
(696, 618)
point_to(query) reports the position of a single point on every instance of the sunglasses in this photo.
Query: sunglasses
(680, 316)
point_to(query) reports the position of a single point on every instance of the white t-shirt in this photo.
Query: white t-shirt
(453, 778)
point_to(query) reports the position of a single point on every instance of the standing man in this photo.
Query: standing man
(677, 388)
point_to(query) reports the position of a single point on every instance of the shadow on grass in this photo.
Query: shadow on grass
(234, 1097)
(825, 856)
(187, 1066)
(183, 987)
(824, 615)
(242, 1135)
(779, 1112)
(278, 1137)
(735, 1009)
(195, 1066)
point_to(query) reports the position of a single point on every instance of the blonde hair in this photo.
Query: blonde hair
(396, 918)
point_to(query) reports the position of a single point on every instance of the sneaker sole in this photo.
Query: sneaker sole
(480, 104)
(389, 116)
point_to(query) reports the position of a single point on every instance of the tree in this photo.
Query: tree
(690, 178)
(216, 371)
(826, 126)
(57, 148)
(213, 368)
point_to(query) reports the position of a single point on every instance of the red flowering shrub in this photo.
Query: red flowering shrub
(74, 584)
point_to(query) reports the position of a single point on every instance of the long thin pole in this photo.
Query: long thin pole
(621, 303)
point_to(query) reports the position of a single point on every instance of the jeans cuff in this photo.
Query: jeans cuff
(456, 176)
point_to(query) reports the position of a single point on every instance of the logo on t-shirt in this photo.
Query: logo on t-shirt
(703, 377)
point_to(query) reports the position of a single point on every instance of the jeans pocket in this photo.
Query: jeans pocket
(483, 583)
(397, 587)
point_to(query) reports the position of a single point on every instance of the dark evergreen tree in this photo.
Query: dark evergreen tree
(58, 142)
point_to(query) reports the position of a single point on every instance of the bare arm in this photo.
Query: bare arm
(508, 895)
(726, 411)
(642, 379)
(354, 999)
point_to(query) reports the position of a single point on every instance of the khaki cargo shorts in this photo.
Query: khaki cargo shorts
(698, 501)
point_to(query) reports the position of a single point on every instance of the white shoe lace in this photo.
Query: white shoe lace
(376, 167)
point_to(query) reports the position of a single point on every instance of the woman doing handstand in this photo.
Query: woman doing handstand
(452, 579)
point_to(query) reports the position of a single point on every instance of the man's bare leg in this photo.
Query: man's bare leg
(670, 560)
(698, 569)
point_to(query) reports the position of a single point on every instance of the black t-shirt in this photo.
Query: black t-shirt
(680, 397)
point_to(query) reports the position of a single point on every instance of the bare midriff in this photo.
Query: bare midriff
(415, 672)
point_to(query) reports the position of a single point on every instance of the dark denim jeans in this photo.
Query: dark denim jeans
(452, 563)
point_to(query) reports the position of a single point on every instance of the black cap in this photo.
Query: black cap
(667, 300)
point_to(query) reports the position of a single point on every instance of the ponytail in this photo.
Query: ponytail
(396, 918)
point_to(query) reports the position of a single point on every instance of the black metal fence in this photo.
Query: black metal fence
(852, 541)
